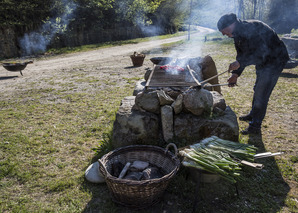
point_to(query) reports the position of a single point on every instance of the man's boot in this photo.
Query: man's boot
(245, 118)
(251, 130)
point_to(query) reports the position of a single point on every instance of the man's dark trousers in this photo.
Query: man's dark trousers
(265, 82)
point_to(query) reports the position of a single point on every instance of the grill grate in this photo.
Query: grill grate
(170, 78)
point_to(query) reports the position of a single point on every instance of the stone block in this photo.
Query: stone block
(139, 87)
(193, 128)
(167, 122)
(218, 101)
(135, 126)
(198, 101)
(292, 46)
(148, 100)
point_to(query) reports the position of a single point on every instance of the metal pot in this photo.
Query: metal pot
(161, 60)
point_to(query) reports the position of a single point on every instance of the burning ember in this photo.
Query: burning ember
(171, 68)
(170, 75)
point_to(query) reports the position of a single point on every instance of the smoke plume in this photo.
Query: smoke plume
(204, 14)
(37, 41)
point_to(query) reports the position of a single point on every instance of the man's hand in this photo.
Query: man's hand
(233, 80)
(234, 66)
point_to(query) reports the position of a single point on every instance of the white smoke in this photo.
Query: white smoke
(204, 14)
(37, 41)
(150, 30)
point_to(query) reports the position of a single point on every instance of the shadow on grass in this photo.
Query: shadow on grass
(288, 75)
(265, 190)
(102, 201)
(100, 195)
(259, 190)
(131, 67)
(8, 77)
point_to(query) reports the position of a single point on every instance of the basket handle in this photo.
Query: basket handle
(104, 168)
(174, 146)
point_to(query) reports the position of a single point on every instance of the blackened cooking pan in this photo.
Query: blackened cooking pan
(16, 67)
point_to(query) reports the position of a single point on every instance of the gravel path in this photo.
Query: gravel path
(95, 62)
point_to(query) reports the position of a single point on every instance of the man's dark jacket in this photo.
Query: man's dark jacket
(257, 44)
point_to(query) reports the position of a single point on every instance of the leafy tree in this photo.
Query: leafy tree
(27, 13)
(206, 13)
(251, 9)
(92, 10)
(170, 15)
(136, 11)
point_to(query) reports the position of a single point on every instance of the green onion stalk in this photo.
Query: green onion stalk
(218, 156)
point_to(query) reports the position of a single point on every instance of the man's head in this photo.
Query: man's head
(226, 24)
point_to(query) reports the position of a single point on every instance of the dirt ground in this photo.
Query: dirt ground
(104, 59)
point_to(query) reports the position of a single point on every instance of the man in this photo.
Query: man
(256, 44)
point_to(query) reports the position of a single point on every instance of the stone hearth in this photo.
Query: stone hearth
(165, 114)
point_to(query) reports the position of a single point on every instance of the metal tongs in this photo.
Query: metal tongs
(215, 85)
(256, 156)
(202, 84)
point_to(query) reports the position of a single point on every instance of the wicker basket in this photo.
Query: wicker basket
(139, 194)
(137, 60)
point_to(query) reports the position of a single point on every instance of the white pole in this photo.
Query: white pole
(189, 20)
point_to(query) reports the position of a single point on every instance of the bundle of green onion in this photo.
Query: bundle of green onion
(218, 156)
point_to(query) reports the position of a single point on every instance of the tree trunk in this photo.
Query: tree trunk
(240, 9)
(254, 8)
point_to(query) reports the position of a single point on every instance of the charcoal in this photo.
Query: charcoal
(117, 168)
(152, 173)
(124, 170)
(134, 176)
(139, 166)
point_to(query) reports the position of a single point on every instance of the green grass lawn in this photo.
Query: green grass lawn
(46, 146)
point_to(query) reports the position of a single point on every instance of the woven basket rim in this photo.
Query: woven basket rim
(140, 182)
(137, 56)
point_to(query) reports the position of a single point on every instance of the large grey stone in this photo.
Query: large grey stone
(195, 64)
(163, 98)
(209, 70)
(178, 104)
(174, 93)
(225, 127)
(192, 128)
(148, 100)
(147, 74)
(139, 87)
(134, 126)
(292, 46)
(189, 127)
(218, 100)
(198, 101)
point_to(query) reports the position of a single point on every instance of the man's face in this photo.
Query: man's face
(228, 31)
